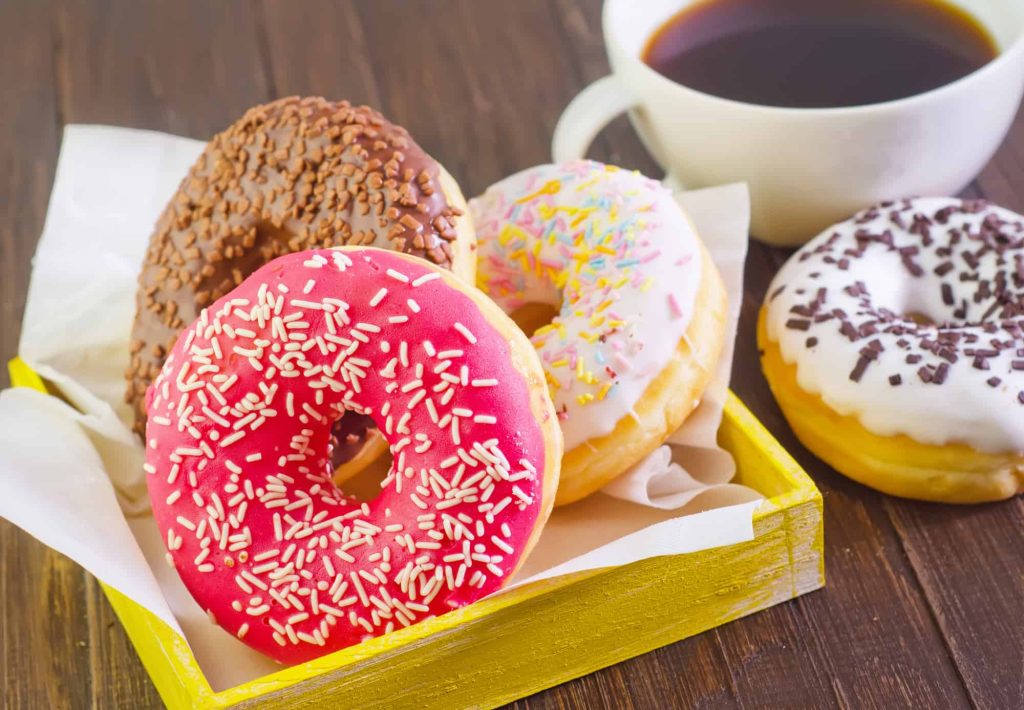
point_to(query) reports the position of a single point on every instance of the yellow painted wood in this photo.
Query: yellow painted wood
(534, 637)
(24, 376)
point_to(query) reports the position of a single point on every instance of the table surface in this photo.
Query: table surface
(923, 603)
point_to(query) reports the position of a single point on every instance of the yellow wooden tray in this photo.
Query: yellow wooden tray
(534, 637)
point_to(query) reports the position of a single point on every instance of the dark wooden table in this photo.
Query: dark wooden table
(924, 604)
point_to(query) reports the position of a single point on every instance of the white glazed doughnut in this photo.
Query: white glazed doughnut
(894, 345)
(641, 308)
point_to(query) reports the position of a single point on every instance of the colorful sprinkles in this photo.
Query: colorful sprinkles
(614, 253)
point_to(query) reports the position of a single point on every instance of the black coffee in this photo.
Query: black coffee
(819, 53)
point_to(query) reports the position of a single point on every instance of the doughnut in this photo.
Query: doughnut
(290, 175)
(894, 345)
(238, 450)
(639, 308)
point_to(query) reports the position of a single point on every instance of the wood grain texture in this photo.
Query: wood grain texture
(871, 586)
(923, 601)
(187, 67)
(45, 656)
(28, 152)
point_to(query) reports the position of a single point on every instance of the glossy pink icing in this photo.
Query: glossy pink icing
(260, 536)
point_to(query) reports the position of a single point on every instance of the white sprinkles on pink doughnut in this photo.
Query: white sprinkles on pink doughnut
(238, 452)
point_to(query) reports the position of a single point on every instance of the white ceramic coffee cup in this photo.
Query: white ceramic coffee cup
(806, 168)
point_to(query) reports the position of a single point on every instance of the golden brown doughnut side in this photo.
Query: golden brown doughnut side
(666, 403)
(898, 464)
(294, 174)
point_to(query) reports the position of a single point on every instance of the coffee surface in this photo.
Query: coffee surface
(819, 53)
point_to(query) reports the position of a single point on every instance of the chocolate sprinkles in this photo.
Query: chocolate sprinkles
(965, 261)
(290, 175)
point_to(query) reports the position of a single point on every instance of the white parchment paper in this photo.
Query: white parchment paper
(71, 471)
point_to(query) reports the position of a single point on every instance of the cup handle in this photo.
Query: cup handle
(585, 116)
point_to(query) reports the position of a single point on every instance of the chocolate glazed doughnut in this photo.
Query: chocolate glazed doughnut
(295, 174)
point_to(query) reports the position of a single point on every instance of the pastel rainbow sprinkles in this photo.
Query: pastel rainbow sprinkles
(616, 255)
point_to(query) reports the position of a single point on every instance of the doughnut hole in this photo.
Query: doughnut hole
(917, 300)
(365, 485)
(919, 318)
(936, 302)
(348, 436)
(357, 448)
(532, 316)
(922, 304)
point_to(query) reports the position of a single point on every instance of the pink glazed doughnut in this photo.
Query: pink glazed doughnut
(238, 450)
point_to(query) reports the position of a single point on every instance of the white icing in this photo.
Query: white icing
(965, 407)
(541, 234)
